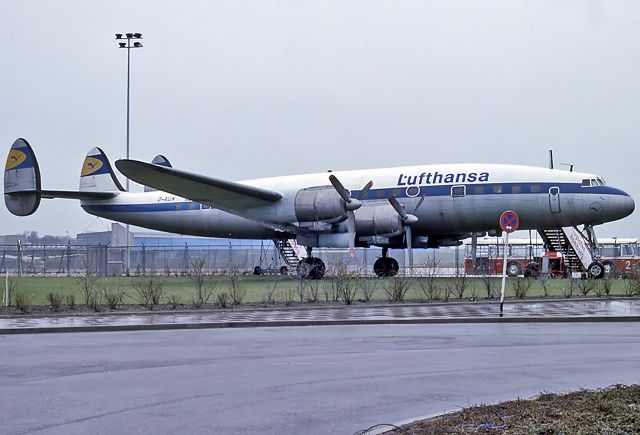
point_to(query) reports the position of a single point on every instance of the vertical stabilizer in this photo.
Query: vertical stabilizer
(97, 174)
(22, 180)
(158, 160)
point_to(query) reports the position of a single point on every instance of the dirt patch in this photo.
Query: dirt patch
(613, 410)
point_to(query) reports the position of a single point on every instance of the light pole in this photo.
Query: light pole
(128, 45)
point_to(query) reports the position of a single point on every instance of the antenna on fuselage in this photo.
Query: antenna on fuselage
(570, 165)
(550, 159)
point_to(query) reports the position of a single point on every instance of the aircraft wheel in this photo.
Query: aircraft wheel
(385, 266)
(257, 270)
(284, 270)
(596, 270)
(318, 268)
(304, 268)
(513, 268)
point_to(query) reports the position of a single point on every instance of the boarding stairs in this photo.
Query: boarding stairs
(290, 253)
(575, 248)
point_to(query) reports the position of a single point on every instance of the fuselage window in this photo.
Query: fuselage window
(497, 188)
(516, 189)
(478, 190)
(535, 188)
(205, 206)
(458, 191)
(413, 191)
(586, 183)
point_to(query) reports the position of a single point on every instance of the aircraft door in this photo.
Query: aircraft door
(554, 199)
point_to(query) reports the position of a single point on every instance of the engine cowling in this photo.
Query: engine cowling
(373, 220)
(320, 203)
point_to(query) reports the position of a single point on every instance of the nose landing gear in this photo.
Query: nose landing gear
(386, 266)
(311, 267)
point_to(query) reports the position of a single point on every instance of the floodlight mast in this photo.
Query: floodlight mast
(128, 45)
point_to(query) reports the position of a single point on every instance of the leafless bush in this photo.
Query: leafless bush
(633, 284)
(458, 284)
(55, 301)
(149, 289)
(521, 286)
(113, 297)
(270, 287)
(205, 283)
(429, 284)
(474, 293)
(488, 281)
(344, 283)
(95, 301)
(71, 301)
(237, 292)
(543, 280)
(368, 288)
(312, 291)
(289, 296)
(23, 303)
(569, 290)
(603, 288)
(174, 301)
(12, 287)
(396, 288)
(586, 286)
(222, 299)
(87, 280)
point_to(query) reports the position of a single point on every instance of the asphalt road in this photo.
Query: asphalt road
(298, 380)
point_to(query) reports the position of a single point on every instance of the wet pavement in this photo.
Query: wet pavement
(454, 312)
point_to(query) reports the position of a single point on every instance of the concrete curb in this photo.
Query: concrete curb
(284, 323)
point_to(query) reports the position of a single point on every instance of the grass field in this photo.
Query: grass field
(286, 288)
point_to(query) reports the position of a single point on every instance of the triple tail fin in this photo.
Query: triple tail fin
(97, 174)
(162, 161)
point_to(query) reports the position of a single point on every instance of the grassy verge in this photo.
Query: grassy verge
(285, 289)
(613, 410)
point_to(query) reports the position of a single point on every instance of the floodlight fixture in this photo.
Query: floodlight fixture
(137, 45)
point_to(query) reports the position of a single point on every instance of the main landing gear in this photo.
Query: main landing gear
(311, 267)
(386, 266)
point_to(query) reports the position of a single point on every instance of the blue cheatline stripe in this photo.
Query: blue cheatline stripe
(398, 192)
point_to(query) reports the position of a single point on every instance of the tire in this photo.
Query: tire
(284, 270)
(257, 270)
(596, 270)
(317, 268)
(513, 268)
(385, 266)
(532, 270)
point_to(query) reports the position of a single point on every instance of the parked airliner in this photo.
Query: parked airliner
(423, 206)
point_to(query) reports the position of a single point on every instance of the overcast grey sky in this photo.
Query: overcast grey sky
(244, 89)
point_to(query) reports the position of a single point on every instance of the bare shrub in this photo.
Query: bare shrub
(23, 303)
(12, 287)
(603, 288)
(148, 289)
(521, 287)
(205, 283)
(368, 288)
(174, 301)
(632, 287)
(569, 290)
(87, 280)
(396, 288)
(586, 286)
(70, 300)
(429, 284)
(95, 301)
(55, 301)
(474, 293)
(289, 296)
(237, 292)
(270, 290)
(222, 299)
(113, 297)
(312, 291)
(458, 284)
(488, 281)
(344, 283)
(543, 280)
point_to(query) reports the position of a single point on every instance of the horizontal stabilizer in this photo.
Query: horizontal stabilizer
(83, 196)
(223, 194)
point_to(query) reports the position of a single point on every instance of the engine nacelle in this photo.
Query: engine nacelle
(321, 203)
(373, 220)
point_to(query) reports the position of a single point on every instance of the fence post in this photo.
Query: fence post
(19, 258)
(69, 258)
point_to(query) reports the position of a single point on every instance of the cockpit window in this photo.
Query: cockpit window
(586, 182)
(601, 180)
(594, 182)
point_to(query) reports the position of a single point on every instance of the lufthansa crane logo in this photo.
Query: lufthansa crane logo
(14, 159)
(90, 166)
(595, 208)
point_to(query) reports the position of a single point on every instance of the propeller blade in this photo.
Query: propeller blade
(365, 190)
(419, 203)
(344, 193)
(351, 229)
(398, 207)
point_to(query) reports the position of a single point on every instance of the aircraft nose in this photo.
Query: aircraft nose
(629, 205)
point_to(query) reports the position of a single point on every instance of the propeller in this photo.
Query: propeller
(351, 204)
(408, 219)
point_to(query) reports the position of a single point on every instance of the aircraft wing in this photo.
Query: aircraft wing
(222, 194)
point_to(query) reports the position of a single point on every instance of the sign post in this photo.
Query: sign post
(509, 222)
